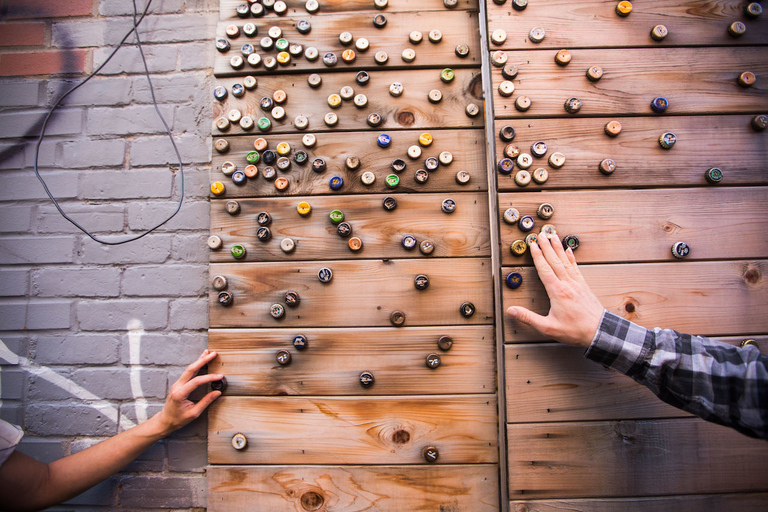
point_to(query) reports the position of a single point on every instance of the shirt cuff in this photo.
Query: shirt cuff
(620, 344)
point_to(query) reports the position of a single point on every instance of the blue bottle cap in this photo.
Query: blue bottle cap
(659, 104)
(239, 177)
(336, 183)
(384, 140)
(514, 280)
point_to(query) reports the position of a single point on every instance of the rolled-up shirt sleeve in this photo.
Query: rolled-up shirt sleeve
(715, 381)
(10, 436)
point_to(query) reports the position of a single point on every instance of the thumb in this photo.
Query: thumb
(527, 317)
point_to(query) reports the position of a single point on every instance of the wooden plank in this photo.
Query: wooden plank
(412, 110)
(731, 145)
(633, 78)
(633, 458)
(353, 489)
(717, 298)
(594, 23)
(361, 294)
(557, 383)
(332, 363)
(463, 233)
(466, 146)
(744, 502)
(353, 430)
(643, 225)
(296, 8)
(457, 28)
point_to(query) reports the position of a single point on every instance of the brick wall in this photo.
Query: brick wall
(96, 334)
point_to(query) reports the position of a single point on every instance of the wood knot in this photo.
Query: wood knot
(476, 87)
(629, 307)
(401, 436)
(311, 501)
(752, 275)
(670, 228)
(406, 118)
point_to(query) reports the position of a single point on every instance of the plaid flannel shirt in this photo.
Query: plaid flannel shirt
(715, 381)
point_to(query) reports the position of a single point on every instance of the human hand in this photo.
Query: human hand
(178, 409)
(575, 312)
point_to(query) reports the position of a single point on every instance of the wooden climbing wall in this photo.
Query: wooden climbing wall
(537, 427)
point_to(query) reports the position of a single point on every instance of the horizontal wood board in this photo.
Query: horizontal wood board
(334, 359)
(727, 142)
(744, 502)
(709, 298)
(411, 110)
(633, 77)
(296, 8)
(633, 458)
(353, 430)
(462, 233)
(467, 147)
(643, 225)
(361, 293)
(457, 27)
(595, 24)
(354, 488)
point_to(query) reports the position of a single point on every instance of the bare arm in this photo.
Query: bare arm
(26, 484)
(575, 311)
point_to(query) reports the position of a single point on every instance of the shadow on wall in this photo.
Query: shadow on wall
(68, 61)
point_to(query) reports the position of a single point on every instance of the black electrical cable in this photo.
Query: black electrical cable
(134, 30)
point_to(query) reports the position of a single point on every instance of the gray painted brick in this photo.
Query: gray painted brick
(15, 219)
(123, 8)
(73, 282)
(160, 59)
(74, 34)
(170, 492)
(13, 282)
(115, 383)
(17, 187)
(187, 456)
(40, 389)
(77, 349)
(177, 88)
(72, 419)
(167, 279)
(18, 344)
(189, 313)
(154, 248)
(28, 122)
(195, 429)
(12, 153)
(12, 412)
(196, 56)
(12, 316)
(103, 494)
(166, 348)
(11, 384)
(196, 183)
(43, 450)
(166, 29)
(48, 156)
(129, 184)
(93, 153)
(129, 411)
(132, 120)
(21, 93)
(194, 215)
(18, 250)
(48, 315)
(191, 248)
(158, 150)
(95, 218)
(152, 459)
(98, 91)
(115, 315)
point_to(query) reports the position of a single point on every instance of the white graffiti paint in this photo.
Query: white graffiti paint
(135, 331)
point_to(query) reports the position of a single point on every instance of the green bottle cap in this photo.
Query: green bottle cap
(393, 180)
(252, 157)
(337, 216)
(238, 251)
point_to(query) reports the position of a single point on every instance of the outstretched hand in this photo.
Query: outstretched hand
(178, 409)
(575, 312)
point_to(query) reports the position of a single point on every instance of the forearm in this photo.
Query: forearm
(715, 381)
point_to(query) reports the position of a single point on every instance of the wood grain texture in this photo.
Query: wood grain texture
(296, 8)
(633, 458)
(557, 383)
(643, 225)
(633, 77)
(412, 110)
(353, 430)
(744, 502)
(457, 27)
(594, 23)
(715, 298)
(332, 363)
(727, 142)
(466, 488)
(361, 294)
(463, 233)
(466, 146)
